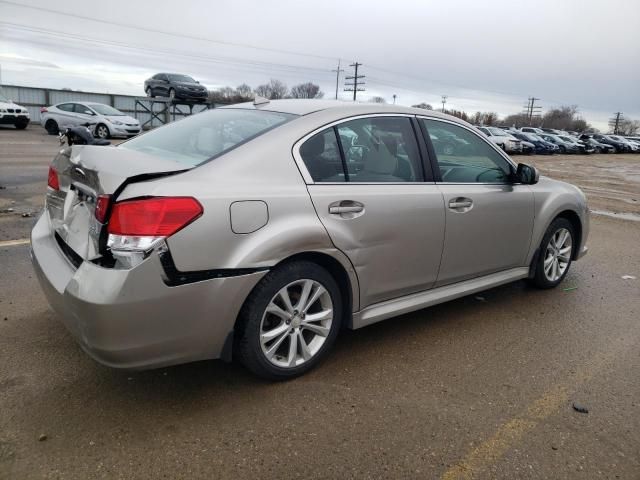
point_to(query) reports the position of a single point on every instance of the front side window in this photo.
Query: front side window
(380, 149)
(200, 137)
(463, 157)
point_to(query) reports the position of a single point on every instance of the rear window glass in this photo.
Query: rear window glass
(200, 137)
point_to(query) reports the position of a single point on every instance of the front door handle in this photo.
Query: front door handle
(346, 208)
(461, 204)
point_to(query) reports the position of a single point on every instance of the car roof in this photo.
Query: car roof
(340, 107)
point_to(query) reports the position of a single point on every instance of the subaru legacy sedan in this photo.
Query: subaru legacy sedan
(259, 231)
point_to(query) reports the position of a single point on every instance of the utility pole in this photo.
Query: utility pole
(337, 70)
(394, 98)
(354, 86)
(444, 100)
(615, 122)
(531, 110)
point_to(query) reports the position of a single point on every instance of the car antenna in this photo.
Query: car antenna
(258, 100)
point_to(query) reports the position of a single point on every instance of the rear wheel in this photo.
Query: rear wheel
(289, 321)
(51, 126)
(556, 251)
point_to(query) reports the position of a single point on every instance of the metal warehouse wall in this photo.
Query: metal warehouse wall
(34, 98)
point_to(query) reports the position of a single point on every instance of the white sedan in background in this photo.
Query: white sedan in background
(106, 121)
(503, 139)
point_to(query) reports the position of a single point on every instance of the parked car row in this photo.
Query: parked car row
(105, 120)
(547, 141)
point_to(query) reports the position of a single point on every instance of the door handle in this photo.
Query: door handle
(460, 203)
(346, 209)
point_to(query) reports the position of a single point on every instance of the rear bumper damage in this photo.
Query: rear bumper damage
(130, 318)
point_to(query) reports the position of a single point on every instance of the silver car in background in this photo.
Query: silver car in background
(105, 120)
(258, 231)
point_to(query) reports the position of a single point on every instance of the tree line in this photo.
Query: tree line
(273, 90)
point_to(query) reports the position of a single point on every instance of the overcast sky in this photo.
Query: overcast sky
(485, 55)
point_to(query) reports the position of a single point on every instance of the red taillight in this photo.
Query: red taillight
(43, 110)
(102, 207)
(52, 181)
(154, 217)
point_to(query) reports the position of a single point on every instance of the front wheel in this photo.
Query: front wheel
(172, 94)
(556, 252)
(102, 131)
(149, 92)
(289, 321)
(21, 125)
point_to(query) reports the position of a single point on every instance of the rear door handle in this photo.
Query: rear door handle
(351, 209)
(346, 208)
(460, 204)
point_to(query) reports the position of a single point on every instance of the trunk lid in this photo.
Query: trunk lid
(85, 172)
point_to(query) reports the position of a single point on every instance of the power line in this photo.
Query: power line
(356, 81)
(337, 70)
(163, 32)
(256, 65)
(531, 110)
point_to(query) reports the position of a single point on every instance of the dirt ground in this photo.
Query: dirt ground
(483, 387)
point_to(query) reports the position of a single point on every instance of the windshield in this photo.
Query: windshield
(497, 131)
(567, 139)
(105, 109)
(200, 137)
(174, 77)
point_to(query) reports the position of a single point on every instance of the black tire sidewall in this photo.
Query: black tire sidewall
(52, 127)
(248, 349)
(540, 279)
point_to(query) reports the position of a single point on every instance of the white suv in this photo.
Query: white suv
(503, 139)
(13, 114)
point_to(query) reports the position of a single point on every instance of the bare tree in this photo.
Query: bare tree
(377, 100)
(273, 90)
(458, 113)
(517, 120)
(423, 105)
(244, 91)
(484, 118)
(565, 118)
(306, 90)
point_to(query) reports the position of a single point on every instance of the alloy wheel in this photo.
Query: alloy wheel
(102, 131)
(557, 255)
(296, 323)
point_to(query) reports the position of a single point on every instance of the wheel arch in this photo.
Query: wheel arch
(576, 223)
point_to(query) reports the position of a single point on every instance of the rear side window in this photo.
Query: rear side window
(66, 107)
(463, 157)
(200, 137)
(365, 150)
(321, 156)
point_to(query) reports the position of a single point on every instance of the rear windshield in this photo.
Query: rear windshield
(201, 137)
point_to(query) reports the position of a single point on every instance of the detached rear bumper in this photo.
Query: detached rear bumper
(130, 318)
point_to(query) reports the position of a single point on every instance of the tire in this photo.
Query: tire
(21, 125)
(149, 92)
(51, 126)
(172, 94)
(549, 252)
(273, 359)
(102, 131)
(563, 150)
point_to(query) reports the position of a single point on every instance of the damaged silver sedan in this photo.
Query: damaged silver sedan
(259, 231)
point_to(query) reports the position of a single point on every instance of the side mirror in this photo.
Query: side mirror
(527, 174)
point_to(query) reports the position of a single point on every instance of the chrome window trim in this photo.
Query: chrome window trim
(303, 168)
(481, 137)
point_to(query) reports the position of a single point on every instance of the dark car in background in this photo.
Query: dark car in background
(620, 147)
(563, 145)
(599, 147)
(541, 147)
(175, 86)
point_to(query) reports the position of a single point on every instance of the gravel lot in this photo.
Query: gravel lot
(481, 387)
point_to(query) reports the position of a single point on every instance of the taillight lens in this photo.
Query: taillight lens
(52, 180)
(153, 217)
(102, 207)
(43, 110)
